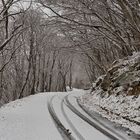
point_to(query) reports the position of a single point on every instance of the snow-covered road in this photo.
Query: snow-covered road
(80, 129)
(29, 119)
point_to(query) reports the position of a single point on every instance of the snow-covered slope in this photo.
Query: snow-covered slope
(116, 95)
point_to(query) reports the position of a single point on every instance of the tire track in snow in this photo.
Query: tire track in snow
(94, 118)
(66, 135)
(70, 123)
(93, 124)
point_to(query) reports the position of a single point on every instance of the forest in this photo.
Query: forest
(47, 45)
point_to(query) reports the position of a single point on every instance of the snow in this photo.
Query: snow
(29, 119)
(86, 131)
(121, 103)
(90, 132)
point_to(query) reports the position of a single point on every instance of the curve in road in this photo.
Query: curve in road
(83, 117)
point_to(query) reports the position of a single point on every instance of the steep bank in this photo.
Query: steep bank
(116, 95)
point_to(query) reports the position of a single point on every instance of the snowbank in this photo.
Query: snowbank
(116, 95)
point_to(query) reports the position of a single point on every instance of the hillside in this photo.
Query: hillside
(115, 95)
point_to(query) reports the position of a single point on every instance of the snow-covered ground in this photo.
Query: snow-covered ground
(115, 109)
(29, 119)
(116, 95)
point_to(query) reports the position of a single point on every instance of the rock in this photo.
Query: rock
(106, 82)
(134, 90)
(135, 83)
